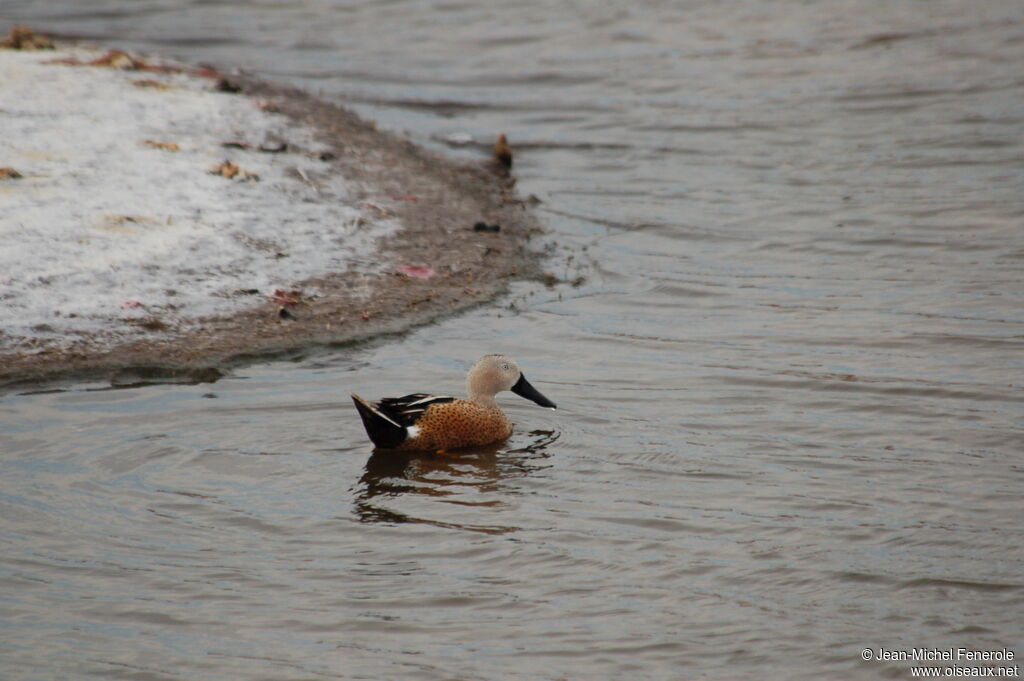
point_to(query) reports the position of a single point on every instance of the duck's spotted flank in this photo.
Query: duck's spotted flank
(440, 422)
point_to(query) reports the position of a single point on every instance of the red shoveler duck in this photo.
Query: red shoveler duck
(441, 422)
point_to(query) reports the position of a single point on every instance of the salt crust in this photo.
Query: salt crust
(103, 228)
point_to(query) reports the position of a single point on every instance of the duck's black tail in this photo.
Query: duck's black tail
(385, 433)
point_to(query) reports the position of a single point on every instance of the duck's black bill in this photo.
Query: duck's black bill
(524, 389)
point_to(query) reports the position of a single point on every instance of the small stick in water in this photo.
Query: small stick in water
(502, 152)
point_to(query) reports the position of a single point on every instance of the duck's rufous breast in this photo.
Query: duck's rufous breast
(460, 423)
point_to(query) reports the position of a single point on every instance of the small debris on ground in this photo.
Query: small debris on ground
(381, 212)
(484, 227)
(232, 172)
(119, 59)
(305, 178)
(166, 146)
(275, 148)
(124, 224)
(285, 297)
(24, 38)
(288, 298)
(225, 85)
(267, 148)
(122, 219)
(286, 302)
(551, 280)
(9, 174)
(116, 59)
(150, 324)
(151, 83)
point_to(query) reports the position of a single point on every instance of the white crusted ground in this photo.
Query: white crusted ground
(103, 227)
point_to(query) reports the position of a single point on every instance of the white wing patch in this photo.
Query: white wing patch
(430, 398)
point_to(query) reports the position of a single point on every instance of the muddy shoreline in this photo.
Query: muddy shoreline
(436, 200)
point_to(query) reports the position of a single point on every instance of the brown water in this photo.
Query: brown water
(791, 415)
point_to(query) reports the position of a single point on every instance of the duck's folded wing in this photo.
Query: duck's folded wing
(408, 409)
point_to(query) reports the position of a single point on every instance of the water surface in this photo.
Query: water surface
(789, 383)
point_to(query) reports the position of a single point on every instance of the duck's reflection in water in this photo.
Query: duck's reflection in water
(476, 479)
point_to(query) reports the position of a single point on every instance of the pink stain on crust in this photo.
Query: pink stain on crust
(417, 271)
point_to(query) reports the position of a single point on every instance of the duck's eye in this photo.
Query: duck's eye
(504, 367)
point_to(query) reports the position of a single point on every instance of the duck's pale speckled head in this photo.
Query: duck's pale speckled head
(493, 374)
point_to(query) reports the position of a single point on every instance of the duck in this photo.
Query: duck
(425, 422)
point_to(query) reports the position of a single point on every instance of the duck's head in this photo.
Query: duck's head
(494, 373)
